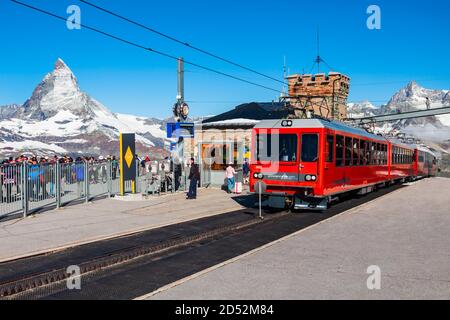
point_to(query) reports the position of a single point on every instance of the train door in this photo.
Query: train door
(309, 156)
(329, 167)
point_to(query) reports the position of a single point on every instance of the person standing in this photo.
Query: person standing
(246, 171)
(229, 174)
(194, 177)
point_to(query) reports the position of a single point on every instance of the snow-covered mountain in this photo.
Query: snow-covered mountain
(412, 97)
(361, 109)
(60, 118)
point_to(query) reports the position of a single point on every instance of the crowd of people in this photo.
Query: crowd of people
(40, 174)
(54, 159)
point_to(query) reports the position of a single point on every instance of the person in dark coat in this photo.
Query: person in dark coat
(194, 177)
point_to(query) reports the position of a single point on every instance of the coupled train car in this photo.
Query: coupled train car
(307, 163)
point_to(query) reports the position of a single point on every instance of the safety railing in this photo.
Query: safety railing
(25, 187)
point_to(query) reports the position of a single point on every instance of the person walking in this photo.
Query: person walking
(229, 174)
(194, 177)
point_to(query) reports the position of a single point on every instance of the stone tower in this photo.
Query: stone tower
(319, 94)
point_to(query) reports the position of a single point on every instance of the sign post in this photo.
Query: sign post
(127, 161)
(260, 187)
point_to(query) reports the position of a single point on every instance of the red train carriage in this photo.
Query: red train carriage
(306, 163)
(401, 162)
(425, 163)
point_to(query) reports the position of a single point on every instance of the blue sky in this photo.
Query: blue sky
(413, 43)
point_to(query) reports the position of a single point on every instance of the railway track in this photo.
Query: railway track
(130, 266)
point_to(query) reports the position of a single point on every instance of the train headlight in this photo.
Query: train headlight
(313, 178)
(260, 175)
(255, 175)
(308, 177)
(286, 123)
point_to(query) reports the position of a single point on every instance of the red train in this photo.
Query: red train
(307, 163)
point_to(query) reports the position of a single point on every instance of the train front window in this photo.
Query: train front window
(276, 147)
(309, 147)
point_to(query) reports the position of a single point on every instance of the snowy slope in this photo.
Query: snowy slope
(60, 117)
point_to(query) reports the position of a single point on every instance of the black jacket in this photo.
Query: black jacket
(194, 173)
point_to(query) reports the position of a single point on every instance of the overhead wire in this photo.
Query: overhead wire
(145, 48)
(184, 43)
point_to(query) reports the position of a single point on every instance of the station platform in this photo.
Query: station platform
(405, 234)
(106, 218)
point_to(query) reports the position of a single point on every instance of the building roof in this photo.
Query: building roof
(250, 111)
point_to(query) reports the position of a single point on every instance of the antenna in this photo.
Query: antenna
(319, 59)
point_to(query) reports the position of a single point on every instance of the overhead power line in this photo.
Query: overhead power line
(180, 41)
(145, 48)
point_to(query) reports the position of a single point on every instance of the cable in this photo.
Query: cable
(145, 48)
(179, 41)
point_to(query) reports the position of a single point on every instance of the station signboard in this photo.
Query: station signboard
(180, 130)
(127, 161)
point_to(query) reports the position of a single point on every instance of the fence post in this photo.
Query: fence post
(24, 189)
(109, 178)
(58, 185)
(86, 181)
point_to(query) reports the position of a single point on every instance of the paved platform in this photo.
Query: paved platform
(106, 218)
(405, 233)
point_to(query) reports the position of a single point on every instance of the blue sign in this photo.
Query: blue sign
(180, 129)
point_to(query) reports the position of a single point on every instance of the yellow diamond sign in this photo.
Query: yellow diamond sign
(128, 157)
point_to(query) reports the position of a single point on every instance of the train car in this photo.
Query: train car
(305, 163)
(401, 161)
(425, 163)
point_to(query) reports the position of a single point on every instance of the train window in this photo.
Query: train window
(348, 151)
(310, 144)
(330, 148)
(339, 151)
(374, 153)
(267, 147)
(421, 158)
(362, 153)
(385, 161)
(355, 152)
(395, 155)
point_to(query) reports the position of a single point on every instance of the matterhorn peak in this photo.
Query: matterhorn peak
(60, 64)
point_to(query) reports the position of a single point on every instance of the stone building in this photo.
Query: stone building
(320, 94)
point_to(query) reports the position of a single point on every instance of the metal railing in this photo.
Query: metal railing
(28, 187)
(25, 188)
